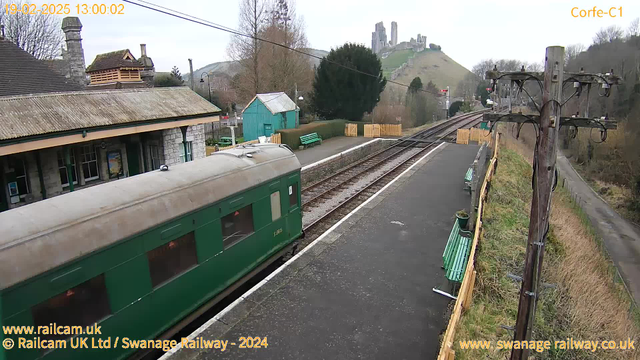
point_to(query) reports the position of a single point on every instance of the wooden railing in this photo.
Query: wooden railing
(463, 302)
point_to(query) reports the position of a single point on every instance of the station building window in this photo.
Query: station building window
(275, 206)
(154, 155)
(89, 163)
(19, 167)
(293, 195)
(64, 178)
(82, 305)
(189, 156)
(172, 259)
(237, 226)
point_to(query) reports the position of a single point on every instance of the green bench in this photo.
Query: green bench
(310, 139)
(456, 253)
(225, 141)
(468, 178)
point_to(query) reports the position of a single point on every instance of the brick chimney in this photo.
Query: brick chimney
(74, 56)
(149, 70)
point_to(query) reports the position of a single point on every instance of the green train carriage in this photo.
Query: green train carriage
(137, 256)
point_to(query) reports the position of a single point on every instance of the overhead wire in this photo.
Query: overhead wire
(167, 11)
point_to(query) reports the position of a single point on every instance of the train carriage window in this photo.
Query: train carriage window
(172, 259)
(275, 206)
(237, 226)
(82, 305)
(293, 195)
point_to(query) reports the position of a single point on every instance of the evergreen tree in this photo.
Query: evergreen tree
(344, 93)
(175, 73)
(416, 85)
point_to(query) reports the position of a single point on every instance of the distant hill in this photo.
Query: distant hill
(231, 68)
(429, 64)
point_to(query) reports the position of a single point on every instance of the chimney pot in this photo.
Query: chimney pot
(143, 50)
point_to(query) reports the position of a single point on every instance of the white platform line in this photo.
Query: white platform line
(204, 326)
(342, 153)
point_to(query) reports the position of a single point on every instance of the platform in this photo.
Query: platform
(363, 289)
(328, 148)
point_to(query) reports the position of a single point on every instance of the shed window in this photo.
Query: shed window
(237, 226)
(89, 163)
(275, 206)
(64, 178)
(293, 195)
(82, 305)
(172, 259)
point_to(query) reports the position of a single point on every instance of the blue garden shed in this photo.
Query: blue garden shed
(267, 113)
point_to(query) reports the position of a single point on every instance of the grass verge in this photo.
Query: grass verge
(588, 303)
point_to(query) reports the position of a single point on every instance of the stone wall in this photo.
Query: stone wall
(328, 168)
(173, 147)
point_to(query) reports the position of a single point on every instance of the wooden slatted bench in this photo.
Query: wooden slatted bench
(468, 178)
(456, 253)
(310, 139)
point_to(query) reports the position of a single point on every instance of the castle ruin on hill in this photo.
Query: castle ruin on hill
(380, 44)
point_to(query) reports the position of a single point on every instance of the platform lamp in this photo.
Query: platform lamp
(208, 82)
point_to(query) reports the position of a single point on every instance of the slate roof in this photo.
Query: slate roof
(30, 115)
(275, 102)
(21, 73)
(113, 60)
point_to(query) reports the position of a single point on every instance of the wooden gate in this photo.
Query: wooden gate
(350, 130)
(462, 137)
(391, 129)
(372, 130)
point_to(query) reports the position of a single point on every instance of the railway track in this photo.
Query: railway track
(328, 200)
(376, 170)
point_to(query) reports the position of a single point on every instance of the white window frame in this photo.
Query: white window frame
(92, 150)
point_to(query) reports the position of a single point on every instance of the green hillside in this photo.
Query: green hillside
(428, 65)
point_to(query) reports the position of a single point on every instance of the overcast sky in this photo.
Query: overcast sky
(468, 31)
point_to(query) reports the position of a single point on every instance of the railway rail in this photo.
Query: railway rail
(400, 156)
(380, 168)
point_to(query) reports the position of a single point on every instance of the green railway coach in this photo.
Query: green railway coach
(140, 255)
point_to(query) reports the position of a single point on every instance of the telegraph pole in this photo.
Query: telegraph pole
(547, 124)
(545, 167)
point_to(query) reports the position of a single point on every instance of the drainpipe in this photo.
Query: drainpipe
(43, 190)
(184, 141)
(67, 160)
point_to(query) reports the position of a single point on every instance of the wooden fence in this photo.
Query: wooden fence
(463, 302)
(390, 130)
(274, 139)
(350, 130)
(474, 134)
(479, 135)
(372, 130)
(462, 136)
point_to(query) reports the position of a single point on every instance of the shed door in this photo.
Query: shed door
(268, 130)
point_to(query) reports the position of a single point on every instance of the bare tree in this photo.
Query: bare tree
(285, 68)
(38, 34)
(634, 28)
(610, 34)
(572, 51)
(481, 68)
(246, 50)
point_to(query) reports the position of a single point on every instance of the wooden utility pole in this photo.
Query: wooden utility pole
(544, 168)
(547, 126)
